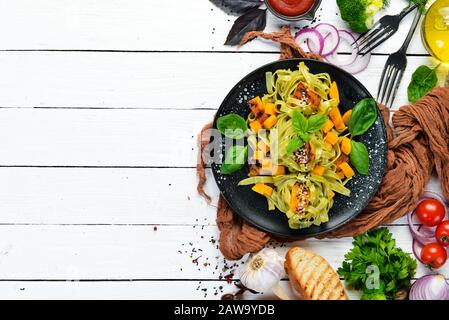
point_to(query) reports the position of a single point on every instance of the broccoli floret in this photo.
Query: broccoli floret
(360, 13)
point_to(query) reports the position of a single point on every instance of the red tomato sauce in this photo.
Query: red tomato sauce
(291, 8)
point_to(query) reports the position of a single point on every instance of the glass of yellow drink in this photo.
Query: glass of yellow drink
(435, 30)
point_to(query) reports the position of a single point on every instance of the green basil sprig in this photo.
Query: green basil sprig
(303, 128)
(299, 122)
(316, 122)
(235, 159)
(423, 80)
(363, 116)
(359, 157)
(232, 126)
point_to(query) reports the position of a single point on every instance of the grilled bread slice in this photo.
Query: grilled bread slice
(312, 276)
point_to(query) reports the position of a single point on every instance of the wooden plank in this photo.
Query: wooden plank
(124, 290)
(136, 80)
(103, 196)
(145, 25)
(93, 137)
(137, 252)
(61, 137)
(109, 196)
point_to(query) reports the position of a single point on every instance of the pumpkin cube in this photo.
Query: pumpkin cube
(258, 155)
(347, 116)
(336, 118)
(333, 92)
(256, 104)
(262, 146)
(345, 145)
(262, 189)
(331, 138)
(270, 108)
(318, 170)
(270, 122)
(278, 170)
(255, 126)
(346, 169)
(328, 126)
(267, 165)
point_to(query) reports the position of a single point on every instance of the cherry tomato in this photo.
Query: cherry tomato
(442, 233)
(433, 255)
(430, 212)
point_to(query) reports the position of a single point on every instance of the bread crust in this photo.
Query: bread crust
(312, 276)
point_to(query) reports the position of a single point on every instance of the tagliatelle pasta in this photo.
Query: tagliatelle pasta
(301, 182)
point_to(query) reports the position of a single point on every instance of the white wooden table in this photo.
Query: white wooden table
(100, 105)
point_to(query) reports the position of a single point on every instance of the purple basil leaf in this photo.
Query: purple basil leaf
(253, 20)
(236, 7)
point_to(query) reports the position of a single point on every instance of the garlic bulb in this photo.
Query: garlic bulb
(263, 271)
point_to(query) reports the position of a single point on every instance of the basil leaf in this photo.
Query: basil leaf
(316, 122)
(359, 157)
(364, 114)
(236, 7)
(232, 126)
(423, 80)
(235, 159)
(294, 145)
(304, 136)
(253, 20)
(299, 122)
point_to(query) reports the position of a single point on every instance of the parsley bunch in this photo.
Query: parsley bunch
(377, 267)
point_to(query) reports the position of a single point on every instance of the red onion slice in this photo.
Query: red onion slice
(423, 234)
(348, 38)
(331, 38)
(417, 247)
(356, 63)
(312, 38)
(422, 238)
(360, 64)
(430, 287)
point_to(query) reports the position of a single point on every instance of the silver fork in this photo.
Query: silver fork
(381, 31)
(394, 69)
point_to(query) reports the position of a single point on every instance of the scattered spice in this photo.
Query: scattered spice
(228, 278)
(195, 261)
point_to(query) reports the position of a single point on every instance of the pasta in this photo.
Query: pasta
(297, 159)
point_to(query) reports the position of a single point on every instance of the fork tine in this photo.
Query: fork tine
(382, 78)
(391, 85)
(374, 43)
(364, 34)
(385, 83)
(396, 87)
(367, 35)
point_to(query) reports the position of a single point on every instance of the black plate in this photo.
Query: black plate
(252, 206)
